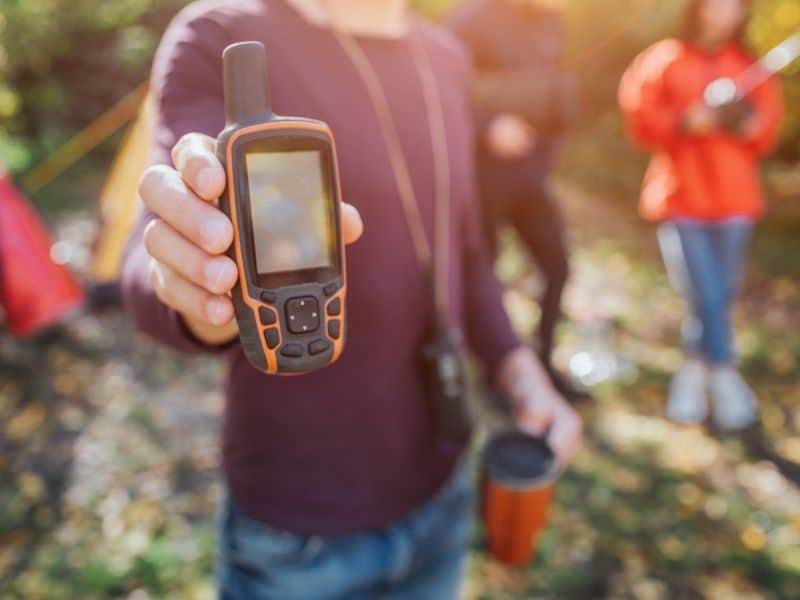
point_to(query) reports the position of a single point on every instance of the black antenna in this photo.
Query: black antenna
(245, 74)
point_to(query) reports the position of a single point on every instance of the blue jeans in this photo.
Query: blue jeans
(423, 556)
(705, 261)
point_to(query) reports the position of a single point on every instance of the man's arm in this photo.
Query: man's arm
(488, 329)
(515, 369)
(176, 278)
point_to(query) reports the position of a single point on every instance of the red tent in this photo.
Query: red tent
(34, 291)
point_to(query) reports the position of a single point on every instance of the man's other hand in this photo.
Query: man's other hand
(539, 408)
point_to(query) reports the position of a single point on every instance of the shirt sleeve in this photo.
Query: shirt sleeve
(489, 332)
(769, 105)
(186, 90)
(652, 116)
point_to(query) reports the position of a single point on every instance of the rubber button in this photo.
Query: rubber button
(292, 350)
(318, 347)
(335, 329)
(302, 314)
(267, 316)
(272, 337)
(335, 308)
(269, 297)
(331, 288)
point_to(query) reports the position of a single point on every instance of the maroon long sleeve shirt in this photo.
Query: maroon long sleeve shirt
(351, 447)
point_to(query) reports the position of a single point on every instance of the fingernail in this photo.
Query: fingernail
(214, 232)
(219, 273)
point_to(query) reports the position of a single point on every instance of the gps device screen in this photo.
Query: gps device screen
(289, 208)
(290, 201)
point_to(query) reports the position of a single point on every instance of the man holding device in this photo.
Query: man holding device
(338, 485)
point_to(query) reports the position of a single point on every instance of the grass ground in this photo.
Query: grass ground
(108, 455)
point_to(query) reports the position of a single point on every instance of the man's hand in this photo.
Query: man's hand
(539, 407)
(189, 237)
(510, 137)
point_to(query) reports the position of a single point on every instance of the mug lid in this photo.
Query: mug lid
(520, 459)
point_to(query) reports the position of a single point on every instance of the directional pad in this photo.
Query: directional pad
(302, 314)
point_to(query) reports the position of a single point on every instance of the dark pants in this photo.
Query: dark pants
(519, 195)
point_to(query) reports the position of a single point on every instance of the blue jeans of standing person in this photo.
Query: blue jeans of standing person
(421, 557)
(706, 261)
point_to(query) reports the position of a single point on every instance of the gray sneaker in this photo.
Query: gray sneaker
(688, 402)
(735, 404)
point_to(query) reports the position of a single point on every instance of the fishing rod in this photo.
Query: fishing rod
(726, 90)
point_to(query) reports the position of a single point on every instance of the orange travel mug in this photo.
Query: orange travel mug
(519, 476)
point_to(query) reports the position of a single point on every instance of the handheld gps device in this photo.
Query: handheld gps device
(283, 198)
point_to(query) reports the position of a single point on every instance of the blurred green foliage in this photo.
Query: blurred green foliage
(63, 62)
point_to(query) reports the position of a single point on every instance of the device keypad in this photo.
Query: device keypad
(302, 314)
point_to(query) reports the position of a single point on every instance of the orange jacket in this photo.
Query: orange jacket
(707, 177)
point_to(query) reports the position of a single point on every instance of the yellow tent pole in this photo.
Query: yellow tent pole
(85, 141)
(119, 198)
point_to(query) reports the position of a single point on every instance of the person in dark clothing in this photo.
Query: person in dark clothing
(516, 157)
(337, 485)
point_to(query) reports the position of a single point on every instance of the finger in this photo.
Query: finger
(194, 157)
(164, 192)
(189, 299)
(352, 224)
(216, 274)
(565, 435)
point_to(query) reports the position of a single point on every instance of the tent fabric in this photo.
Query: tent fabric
(35, 293)
(119, 199)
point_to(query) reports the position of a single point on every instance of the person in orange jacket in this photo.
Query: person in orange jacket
(703, 188)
